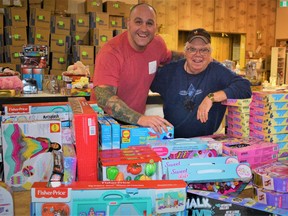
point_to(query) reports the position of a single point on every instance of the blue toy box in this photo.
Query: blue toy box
(105, 139)
(137, 135)
(115, 132)
(110, 198)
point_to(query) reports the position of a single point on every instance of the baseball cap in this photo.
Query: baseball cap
(199, 33)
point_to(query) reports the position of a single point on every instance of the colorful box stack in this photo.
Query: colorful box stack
(271, 184)
(269, 117)
(238, 117)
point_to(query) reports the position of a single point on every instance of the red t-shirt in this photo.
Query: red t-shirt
(132, 72)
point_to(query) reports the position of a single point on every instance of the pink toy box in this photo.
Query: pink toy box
(137, 163)
(85, 130)
(163, 198)
(272, 176)
(270, 105)
(26, 151)
(271, 198)
(224, 174)
(237, 102)
(268, 113)
(136, 135)
(268, 121)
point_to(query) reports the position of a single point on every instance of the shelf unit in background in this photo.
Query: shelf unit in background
(278, 74)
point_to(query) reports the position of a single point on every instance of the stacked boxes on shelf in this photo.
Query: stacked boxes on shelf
(269, 117)
(238, 117)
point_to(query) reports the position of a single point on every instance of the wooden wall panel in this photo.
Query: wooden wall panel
(219, 22)
(241, 18)
(208, 14)
(171, 27)
(184, 21)
(251, 26)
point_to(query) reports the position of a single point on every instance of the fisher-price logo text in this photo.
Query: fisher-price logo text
(53, 193)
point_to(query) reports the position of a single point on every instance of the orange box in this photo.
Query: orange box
(85, 125)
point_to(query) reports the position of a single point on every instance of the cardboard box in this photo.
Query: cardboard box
(60, 25)
(105, 135)
(60, 43)
(12, 54)
(104, 36)
(80, 38)
(115, 132)
(85, 54)
(59, 61)
(94, 6)
(62, 8)
(85, 130)
(39, 35)
(116, 8)
(1, 24)
(49, 5)
(16, 36)
(16, 17)
(116, 22)
(99, 20)
(40, 18)
(80, 22)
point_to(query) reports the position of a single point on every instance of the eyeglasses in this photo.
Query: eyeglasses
(193, 51)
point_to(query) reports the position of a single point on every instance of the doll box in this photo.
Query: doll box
(25, 145)
(237, 102)
(272, 176)
(271, 198)
(136, 135)
(270, 96)
(238, 114)
(217, 169)
(85, 130)
(239, 109)
(211, 203)
(111, 198)
(237, 133)
(137, 164)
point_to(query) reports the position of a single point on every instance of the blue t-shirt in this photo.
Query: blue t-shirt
(182, 93)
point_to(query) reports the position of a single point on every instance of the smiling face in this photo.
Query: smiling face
(198, 55)
(141, 26)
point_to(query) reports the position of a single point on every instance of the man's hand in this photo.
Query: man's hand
(157, 123)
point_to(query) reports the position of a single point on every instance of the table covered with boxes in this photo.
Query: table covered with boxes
(104, 167)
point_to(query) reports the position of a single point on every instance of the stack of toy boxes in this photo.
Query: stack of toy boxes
(85, 131)
(133, 163)
(270, 183)
(37, 120)
(269, 117)
(238, 117)
(252, 150)
(155, 197)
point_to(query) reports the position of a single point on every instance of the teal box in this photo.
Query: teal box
(105, 138)
(132, 135)
(115, 132)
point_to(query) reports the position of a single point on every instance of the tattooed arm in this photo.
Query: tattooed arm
(117, 108)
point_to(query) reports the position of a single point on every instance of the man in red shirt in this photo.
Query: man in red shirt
(126, 66)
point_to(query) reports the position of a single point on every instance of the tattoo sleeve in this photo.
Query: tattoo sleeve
(114, 106)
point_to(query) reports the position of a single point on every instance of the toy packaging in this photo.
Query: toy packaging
(215, 204)
(85, 130)
(272, 96)
(134, 163)
(271, 198)
(137, 135)
(105, 138)
(115, 132)
(237, 102)
(224, 174)
(111, 198)
(6, 197)
(70, 161)
(26, 155)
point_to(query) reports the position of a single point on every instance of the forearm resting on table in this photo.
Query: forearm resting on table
(220, 96)
(114, 106)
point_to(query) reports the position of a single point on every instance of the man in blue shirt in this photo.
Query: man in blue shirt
(193, 88)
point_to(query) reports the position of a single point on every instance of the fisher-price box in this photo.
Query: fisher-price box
(157, 197)
(25, 151)
(136, 163)
(137, 135)
(85, 130)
